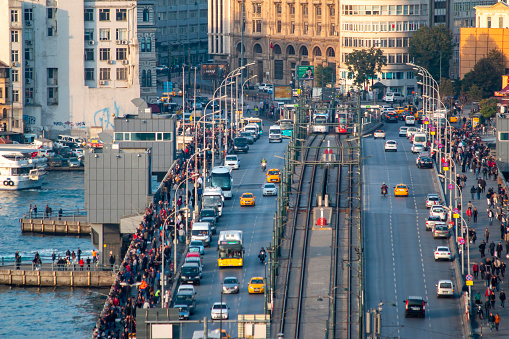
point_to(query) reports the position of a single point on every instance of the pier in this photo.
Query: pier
(69, 223)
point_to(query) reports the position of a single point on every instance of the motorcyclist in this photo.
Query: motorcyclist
(384, 188)
(264, 165)
(262, 255)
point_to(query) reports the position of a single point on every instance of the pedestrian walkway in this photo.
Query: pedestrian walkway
(493, 239)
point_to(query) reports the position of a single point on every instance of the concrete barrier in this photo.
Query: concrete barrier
(52, 226)
(57, 278)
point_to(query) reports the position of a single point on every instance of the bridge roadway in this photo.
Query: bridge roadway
(398, 251)
(256, 223)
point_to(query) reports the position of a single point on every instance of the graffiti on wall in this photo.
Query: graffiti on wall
(29, 120)
(69, 124)
(104, 117)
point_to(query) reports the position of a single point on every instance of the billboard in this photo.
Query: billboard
(282, 92)
(305, 72)
(214, 71)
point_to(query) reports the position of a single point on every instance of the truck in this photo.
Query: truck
(212, 334)
(213, 196)
(275, 134)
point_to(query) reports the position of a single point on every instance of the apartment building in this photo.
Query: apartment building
(147, 50)
(74, 64)
(5, 102)
(278, 36)
(181, 32)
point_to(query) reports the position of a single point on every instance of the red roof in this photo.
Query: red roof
(503, 93)
(155, 108)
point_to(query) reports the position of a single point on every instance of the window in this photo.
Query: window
(292, 27)
(89, 54)
(318, 10)
(14, 15)
(89, 34)
(51, 13)
(14, 36)
(121, 14)
(257, 8)
(121, 53)
(291, 7)
(89, 14)
(257, 26)
(52, 76)
(278, 9)
(332, 11)
(277, 49)
(317, 52)
(149, 45)
(29, 14)
(121, 34)
(318, 28)
(330, 52)
(305, 10)
(52, 95)
(142, 44)
(121, 73)
(332, 29)
(29, 52)
(305, 28)
(104, 54)
(104, 34)
(51, 31)
(15, 95)
(488, 24)
(290, 50)
(257, 49)
(278, 69)
(14, 75)
(29, 93)
(104, 74)
(278, 26)
(503, 136)
(14, 56)
(303, 51)
(146, 16)
(89, 74)
(29, 73)
(104, 14)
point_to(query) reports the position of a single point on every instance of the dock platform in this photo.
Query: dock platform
(76, 225)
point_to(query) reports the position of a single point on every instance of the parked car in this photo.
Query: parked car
(74, 162)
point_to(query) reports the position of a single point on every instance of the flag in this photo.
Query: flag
(271, 45)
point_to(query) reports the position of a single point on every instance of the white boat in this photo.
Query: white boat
(21, 169)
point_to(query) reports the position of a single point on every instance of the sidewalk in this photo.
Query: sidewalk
(482, 327)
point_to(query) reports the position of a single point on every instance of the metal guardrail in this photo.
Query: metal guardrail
(54, 215)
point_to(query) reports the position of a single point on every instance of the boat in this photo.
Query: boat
(21, 169)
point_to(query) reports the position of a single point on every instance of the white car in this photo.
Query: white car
(379, 134)
(219, 311)
(391, 145)
(442, 252)
(232, 161)
(402, 131)
(432, 200)
(410, 120)
(269, 189)
(410, 131)
(438, 211)
(445, 288)
(186, 287)
(418, 147)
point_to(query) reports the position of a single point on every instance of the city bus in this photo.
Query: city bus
(230, 249)
(257, 121)
(221, 177)
(342, 122)
(286, 127)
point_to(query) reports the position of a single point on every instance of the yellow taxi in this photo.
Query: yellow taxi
(247, 199)
(401, 190)
(256, 285)
(273, 175)
(399, 110)
(453, 119)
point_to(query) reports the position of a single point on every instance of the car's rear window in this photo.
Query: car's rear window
(414, 302)
(445, 285)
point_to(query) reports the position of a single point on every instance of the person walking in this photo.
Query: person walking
(502, 298)
(497, 321)
(475, 270)
(478, 191)
(469, 214)
(17, 259)
(475, 214)
(473, 190)
(482, 247)
(491, 321)
(498, 250)
(487, 235)
(492, 248)
(490, 217)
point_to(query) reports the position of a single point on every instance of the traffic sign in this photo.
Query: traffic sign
(432, 132)
(461, 240)
(455, 216)
(455, 210)
(446, 164)
(469, 277)
(450, 186)
(440, 145)
(426, 122)
(469, 283)
(446, 168)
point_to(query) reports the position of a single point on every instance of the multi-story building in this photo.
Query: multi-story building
(281, 35)
(181, 32)
(6, 108)
(147, 50)
(74, 63)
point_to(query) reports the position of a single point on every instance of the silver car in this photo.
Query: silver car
(230, 285)
(269, 189)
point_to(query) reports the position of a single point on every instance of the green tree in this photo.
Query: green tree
(446, 88)
(365, 64)
(488, 107)
(486, 74)
(431, 46)
(474, 93)
(328, 75)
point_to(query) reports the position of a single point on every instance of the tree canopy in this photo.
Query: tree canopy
(430, 45)
(486, 74)
(328, 75)
(488, 107)
(365, 64)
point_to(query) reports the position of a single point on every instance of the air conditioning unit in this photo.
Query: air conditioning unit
(28, 42)
(103, 82)
(119, 42)
(15, 64)
(111, 62)
(28, 23)
(29, 101)
(91, 42)
(125, 42)
(125, 62)
(28, 81)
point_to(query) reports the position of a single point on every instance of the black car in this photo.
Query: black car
(425, 162)
(240, 144)
(190, 274)
(415, 307)
(391, 117)
(186, 298)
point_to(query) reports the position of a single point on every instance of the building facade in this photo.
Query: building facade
(181, 32)
(147, 50)
(490, 33)
(278, 36)
(5, 102)
(64, 83)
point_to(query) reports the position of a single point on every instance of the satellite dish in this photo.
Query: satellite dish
(106, 138)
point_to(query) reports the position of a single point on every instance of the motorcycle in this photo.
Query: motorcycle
(384, 191)
(262, 256)
(264, 165)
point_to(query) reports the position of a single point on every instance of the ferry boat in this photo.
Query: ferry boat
(21, 169)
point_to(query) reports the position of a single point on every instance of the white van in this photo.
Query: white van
(409, 120)
(201, 231)
(254, 129)
(275, 134)
(213, 196)
(420, 138)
